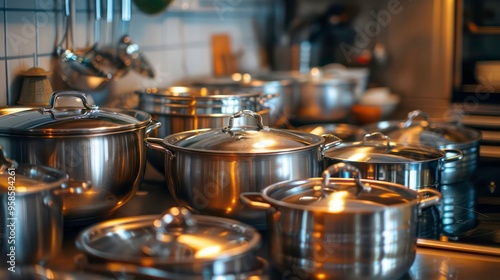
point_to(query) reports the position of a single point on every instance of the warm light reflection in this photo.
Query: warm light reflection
(315, 72)
(207, 252)
(358, 157)
(264, 144)
(320, 276)
(236, 77)
(247, 78)
(336, 201)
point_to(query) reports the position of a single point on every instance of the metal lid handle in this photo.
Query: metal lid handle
(336, 168)
(174, 219)
(377, 134)
(239, 114)
(82, 96)
(413, 114)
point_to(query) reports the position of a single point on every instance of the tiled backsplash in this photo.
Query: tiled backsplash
(176, 42)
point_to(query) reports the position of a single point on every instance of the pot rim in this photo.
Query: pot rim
(165, 93)
(135, 222)
(318, 181)
(61, 178)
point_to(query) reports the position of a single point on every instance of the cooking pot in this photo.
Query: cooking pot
(342, 228)
(346, 132)
(181, 109)
(31, 226)
(246, 82)
(412, 166)
(439, 135)
(38, 272)
(104, 147)
(175, 242)
(207, 169)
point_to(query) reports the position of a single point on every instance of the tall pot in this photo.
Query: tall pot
(342, 228)
(101, 147)
(31, 223)
(438, 135)
(207, 169)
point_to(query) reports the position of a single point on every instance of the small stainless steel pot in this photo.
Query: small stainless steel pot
(102, 146)
(207, 169)
(31, 223)
(412, 166)
(439, 135)
(176, 242)
(342, 228)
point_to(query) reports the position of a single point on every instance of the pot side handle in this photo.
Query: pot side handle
(156, 144)
(254, 200)
(457, 155)
(330, 142)
(154, 124)
(425, 202)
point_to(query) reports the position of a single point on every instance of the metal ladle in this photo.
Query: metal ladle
(128, 52)
(76, 69)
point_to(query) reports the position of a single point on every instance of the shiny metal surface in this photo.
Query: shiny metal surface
(31, 211)
(324, 100)
(174, 241)
(39, 272)
(111, 158)
(346, 132)
(440, 136)
(340, 241)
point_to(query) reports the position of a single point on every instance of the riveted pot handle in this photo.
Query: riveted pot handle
(425, 202)
(154, 124)
(254, 200)
(457, 155)
(342, 166)
(156, 144)
(239, 114)
(412, 115)
(330, 142)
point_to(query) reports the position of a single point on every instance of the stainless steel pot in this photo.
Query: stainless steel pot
(207, 169)
(415, 167)
(438, 135)
(31, 224)
(175, 242)
(39, 272)
(342, 228)
(346, 132)
(104, 147)
(246, 82)
(181, 109)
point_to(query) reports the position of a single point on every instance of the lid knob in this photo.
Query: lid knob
(375, 134)
(250, 113)
(58, 94)
(173, 220)
(336, 168)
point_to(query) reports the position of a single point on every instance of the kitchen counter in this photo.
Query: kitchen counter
(153, 198)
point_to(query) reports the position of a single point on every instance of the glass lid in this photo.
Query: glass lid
(176, 237)
(384, 151)
(82, 118)
(339, 195)
(426, 132)
(244, 139)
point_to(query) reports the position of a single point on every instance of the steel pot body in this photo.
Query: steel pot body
(415, 167)
(31, 214)
(210, 180)
(340, 242)
(439, 135)
(324, 100)
(175, 243)
(110, 157)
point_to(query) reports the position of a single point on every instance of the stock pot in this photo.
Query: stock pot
(382, 159)
(175, 243)
(31, 212)
(342, 228)
(438, 135)
(207, 169)
(100, 147)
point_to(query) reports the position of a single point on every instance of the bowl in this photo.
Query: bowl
(382, 98)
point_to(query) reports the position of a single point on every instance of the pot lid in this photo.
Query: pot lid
(244, 139)
(81, 119)
(27, 178)
(383, 152)
(176, 237)
(426, 132)
(180, 92)
(338, 195)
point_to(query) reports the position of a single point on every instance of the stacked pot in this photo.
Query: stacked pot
(417, 129)
(181, 109)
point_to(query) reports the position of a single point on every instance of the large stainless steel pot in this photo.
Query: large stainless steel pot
(175, 242)
(415, 167)
(207, 169)
(181, 109)
(31, 224)
(342, 228)
(438, 135)
(104, 147)
(246, 82)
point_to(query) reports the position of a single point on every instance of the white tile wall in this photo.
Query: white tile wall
(176, 42)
